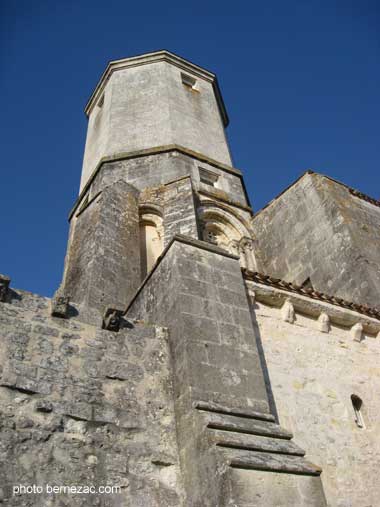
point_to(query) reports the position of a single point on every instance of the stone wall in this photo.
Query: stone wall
(317, 229)
(312, 375)
(84, 406)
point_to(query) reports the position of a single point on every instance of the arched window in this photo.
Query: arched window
(213, 233)
(151, 240)
(357, 404)
(219, 231)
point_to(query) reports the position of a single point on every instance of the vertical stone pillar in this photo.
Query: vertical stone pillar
(103, 258)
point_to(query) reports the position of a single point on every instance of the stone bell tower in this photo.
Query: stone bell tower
(154, 101)
(161, 231)
(156, 163)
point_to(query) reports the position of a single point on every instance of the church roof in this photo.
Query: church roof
(351, 190)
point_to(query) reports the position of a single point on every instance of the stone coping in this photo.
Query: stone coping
(275, 292)
(154, 151)
(158, 56)
(187, 240)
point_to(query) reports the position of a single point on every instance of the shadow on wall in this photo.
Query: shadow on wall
(264, 366)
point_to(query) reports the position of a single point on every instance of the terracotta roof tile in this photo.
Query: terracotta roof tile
(311, 293)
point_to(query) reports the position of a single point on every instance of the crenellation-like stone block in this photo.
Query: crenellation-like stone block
(324, 323)
(60, 306)
(357, 332)
(288, 313)
(4, 287)
(112, 319)
(44, 406)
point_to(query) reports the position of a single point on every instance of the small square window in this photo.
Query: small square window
(207, 177)
(188, 80)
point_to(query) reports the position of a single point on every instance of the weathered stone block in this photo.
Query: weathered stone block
(43, 406)
(112, 319)
(60, 306)
(4, 286)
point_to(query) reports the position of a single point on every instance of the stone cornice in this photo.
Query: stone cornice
(149, 58)
(146, 153)
(274, 292)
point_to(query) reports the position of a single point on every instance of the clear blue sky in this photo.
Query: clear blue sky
(300, 80)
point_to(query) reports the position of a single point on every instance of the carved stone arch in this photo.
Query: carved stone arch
(151, 236)
(223, 227)
(229, 214)
(151, 208)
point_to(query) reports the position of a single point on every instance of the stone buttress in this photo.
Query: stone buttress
(232, 451)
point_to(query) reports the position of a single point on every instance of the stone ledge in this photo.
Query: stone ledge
(244, 441)
(312, 306)
(237, 424)
(271, 462)
(247, 412)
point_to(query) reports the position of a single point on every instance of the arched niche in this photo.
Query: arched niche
(223, 228)
(151, 238)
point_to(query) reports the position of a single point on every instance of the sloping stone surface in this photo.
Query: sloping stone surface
(318, 229)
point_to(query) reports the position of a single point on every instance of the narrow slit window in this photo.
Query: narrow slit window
(188, 81)
(357, 404)
(208, 177)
